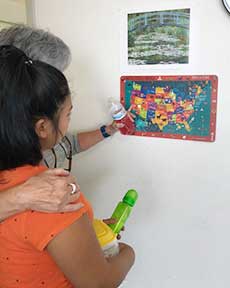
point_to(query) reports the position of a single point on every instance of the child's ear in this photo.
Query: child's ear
(42, 127)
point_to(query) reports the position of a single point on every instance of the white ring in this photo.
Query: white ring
(74, 188)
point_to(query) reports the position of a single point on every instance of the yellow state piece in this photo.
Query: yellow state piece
(187, 106)
(137, 87)
(199, 90)
(161, 119)
(169, 107)
(158, 100)
(186, 125)
(138, 100)
(172, 95)
(159, 90)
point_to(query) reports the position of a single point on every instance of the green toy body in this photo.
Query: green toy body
(123, 210)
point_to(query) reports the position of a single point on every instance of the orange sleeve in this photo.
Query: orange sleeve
(40, 227)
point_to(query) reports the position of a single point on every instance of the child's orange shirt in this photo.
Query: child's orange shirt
(24, 261)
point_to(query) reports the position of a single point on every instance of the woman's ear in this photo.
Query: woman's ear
(42, 128)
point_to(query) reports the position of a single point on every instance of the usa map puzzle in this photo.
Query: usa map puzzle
(180, 107)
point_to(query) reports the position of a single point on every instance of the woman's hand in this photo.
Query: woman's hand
(113, 221)
(49, 192)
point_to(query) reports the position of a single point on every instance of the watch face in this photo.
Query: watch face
(227, 5)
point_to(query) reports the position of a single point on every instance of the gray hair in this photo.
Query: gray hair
(38, 44)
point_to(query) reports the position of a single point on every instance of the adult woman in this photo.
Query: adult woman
(40, 249)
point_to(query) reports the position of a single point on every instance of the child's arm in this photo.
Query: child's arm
(77, 253)
(90, 138)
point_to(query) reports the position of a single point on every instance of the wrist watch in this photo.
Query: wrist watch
(226, 5)
(103, 131)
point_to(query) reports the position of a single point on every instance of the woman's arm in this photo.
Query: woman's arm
(47, 192)
(77, 253)
(8, 204)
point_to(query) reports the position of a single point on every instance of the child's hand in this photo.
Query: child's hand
(113, 221)
(114, 126)
(130, 114)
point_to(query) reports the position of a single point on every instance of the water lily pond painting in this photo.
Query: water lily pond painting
(159, 37)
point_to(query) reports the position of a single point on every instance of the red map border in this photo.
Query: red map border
(213, 78)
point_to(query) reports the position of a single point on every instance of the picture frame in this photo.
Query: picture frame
(159, 7)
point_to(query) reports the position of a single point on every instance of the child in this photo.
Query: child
(39, 249)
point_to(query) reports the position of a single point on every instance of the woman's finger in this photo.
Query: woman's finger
(73, 197)
(72, 207)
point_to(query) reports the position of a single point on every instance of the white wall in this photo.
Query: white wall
(13, 11)
(180, 226)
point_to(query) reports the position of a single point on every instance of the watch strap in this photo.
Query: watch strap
(103, 132)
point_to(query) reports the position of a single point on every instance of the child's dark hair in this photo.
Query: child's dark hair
(29, 90)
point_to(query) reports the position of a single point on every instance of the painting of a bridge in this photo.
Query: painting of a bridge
(159, 37)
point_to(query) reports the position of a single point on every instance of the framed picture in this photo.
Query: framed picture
(161, 37)
(179, 107)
